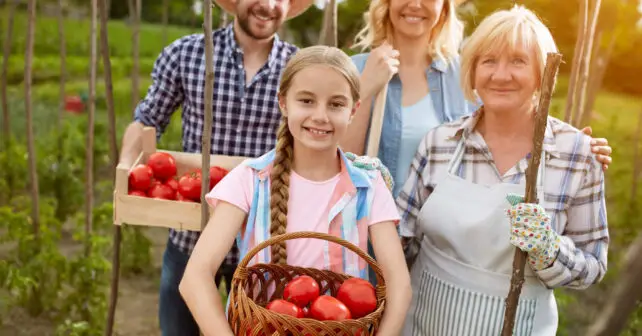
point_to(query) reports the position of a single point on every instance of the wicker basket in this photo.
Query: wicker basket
(249, 295)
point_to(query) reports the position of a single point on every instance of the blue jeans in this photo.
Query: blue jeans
(174, 316)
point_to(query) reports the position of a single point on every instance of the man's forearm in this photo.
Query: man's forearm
(132, 143)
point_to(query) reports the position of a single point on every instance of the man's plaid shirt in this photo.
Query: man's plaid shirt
(246, 115)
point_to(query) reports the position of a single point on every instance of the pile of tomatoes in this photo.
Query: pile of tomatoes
(157, 178)
(302, 299)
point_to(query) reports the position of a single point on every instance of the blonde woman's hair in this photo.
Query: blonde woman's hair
(282, 166)
(504, 31)
(445, 38)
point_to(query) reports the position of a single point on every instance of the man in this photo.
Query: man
(248, 60)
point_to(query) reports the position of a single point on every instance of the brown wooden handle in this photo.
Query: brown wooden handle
(376, 124)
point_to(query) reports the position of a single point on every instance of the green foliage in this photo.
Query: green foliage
(46, 68)
(77, 37)
(35, 270)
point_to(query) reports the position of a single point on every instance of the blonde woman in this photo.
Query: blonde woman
(305, 184)
(462, 215)
(415, 49)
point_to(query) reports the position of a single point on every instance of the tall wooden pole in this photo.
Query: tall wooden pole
(571, 96)
(553, 61)
(328, 34)
(206, 145)
(113, 150)
(33, 173)
(6, 120)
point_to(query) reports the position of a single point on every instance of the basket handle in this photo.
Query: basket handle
(309, 234)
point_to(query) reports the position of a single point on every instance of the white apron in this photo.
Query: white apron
(461, 276)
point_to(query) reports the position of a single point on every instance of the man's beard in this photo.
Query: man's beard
(244, 24)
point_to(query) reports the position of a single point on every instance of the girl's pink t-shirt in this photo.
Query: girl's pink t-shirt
(306, 207)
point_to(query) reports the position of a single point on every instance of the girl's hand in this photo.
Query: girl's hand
(600, 147)
(369, 163)
(532, 233)
(382, 64)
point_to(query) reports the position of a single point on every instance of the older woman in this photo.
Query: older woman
(415, 49)
(458, 216)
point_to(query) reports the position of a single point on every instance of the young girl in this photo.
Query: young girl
(306, 184)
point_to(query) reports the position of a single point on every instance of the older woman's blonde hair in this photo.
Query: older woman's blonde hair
(501, 32)
(445, 38)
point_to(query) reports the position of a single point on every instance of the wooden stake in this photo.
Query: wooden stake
(328, 34)
(553, 61)
(6, 121)
(113, 150)
(571, 96)
(207, 123)
(135, 9)
(89, 164)
(586, 68)
(63, 62)
(33, 173)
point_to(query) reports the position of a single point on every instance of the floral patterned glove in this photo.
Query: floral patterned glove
(369, 163)
(531, 232)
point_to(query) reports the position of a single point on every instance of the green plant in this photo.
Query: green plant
(35, 270)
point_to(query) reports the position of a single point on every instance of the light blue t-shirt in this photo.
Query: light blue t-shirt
(448, 104)
(416, 121)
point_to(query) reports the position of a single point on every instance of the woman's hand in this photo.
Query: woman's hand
(532, 233)
(382, 64)
(370, 163)
(600, 147)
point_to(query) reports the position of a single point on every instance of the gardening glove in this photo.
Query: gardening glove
(369, 163)
(532, 233)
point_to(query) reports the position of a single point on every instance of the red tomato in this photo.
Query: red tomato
(172, 183)
(163, 165)
(162, 191)
(301, 290)
(285, 307)
(359, 296)
(137, 193)
(140, 177)
(216, 175)
(306, 311)
(74, 104)
(189, 185)
(326, 307)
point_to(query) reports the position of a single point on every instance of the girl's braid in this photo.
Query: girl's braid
(279, 189)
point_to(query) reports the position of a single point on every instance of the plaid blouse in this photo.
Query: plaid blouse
(573, 192)
(246, 114)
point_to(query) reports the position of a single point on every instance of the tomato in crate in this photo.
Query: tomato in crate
(152, 191)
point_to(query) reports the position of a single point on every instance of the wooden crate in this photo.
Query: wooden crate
(135, 210)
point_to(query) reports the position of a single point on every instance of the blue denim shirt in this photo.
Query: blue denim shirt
(447, 97)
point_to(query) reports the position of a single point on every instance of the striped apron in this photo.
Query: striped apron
(461, 276)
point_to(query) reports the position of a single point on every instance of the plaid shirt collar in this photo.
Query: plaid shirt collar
(468, 127)
(234, 50)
